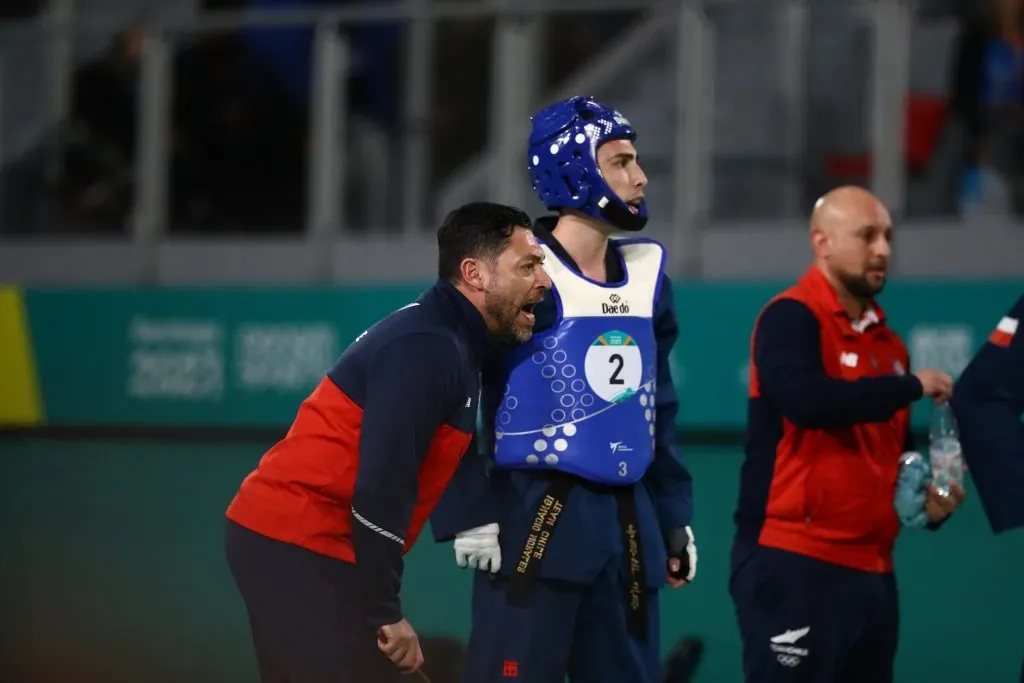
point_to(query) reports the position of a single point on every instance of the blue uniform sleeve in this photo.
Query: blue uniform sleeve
(667, 480)
(787, 354)
(468, 502)
(988, 400)
(414, 383)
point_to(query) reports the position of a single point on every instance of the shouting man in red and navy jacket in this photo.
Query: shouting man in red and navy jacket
(828, 426)
(317, 532)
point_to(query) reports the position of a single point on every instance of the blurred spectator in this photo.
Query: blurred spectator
(286, 53)
(988, 99)
(99, 141)
(13, 10)
(239, 143)
(239, 137)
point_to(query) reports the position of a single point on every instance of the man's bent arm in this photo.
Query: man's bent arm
(787, 353)
(412, 386)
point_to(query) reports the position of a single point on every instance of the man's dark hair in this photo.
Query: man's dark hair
(477, 230)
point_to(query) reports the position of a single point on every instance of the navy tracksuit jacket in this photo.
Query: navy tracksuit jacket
(988, 400)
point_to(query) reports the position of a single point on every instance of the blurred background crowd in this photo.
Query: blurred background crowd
(241, 113)
(240, 118)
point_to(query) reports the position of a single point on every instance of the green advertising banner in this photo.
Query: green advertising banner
(193, 356)
(246, 357)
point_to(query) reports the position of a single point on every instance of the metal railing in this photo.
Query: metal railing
(513, 92)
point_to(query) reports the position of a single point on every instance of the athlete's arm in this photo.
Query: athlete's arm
(988, 400)
(787, 353)
(667, 479)
(413, 385)
(468, 502)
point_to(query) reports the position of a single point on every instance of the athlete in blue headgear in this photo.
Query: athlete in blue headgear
(586, 510)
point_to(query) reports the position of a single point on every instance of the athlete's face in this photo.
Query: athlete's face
(516, 284)
(619, 165)
(857, 248)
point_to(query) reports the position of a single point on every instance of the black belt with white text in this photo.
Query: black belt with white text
(541, 533)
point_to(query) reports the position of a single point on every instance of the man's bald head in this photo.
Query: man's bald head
(851, 233)
(846, 208)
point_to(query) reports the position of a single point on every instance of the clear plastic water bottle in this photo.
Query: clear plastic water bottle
(944, 450)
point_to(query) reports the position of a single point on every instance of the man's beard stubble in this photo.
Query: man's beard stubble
(506, 314)
(858, 286)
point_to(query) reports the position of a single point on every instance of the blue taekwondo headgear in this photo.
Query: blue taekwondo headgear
(563, 160)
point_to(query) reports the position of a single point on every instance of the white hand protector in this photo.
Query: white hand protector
(683, 547)
(478, 548)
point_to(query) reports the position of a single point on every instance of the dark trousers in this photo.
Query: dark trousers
(563, 629)
(304, 613)
(803, 620)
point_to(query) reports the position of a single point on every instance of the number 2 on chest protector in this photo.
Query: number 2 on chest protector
(614, 367)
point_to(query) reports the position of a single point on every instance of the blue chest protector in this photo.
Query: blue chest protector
(580, 395)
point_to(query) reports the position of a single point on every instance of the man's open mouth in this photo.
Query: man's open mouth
(527, 312)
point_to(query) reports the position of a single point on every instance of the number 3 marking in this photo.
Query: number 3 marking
(622, 468)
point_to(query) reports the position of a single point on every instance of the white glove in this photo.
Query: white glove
(478, 548)
(683, 547)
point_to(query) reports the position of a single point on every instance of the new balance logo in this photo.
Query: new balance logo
(791, 636)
